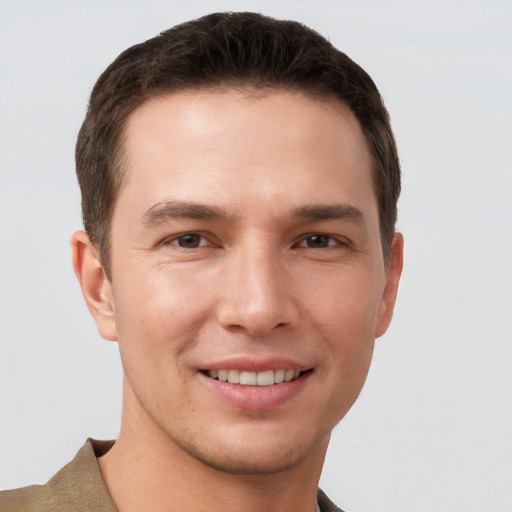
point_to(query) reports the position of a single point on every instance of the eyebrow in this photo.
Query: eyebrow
(165, 210)
(328, 212)
(173, 209)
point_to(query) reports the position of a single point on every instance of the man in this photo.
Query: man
(239, 183)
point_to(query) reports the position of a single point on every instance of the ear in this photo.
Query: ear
(393, 273)
(96, 288)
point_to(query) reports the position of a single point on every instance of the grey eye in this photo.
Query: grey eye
(318, 241)
(189, 241)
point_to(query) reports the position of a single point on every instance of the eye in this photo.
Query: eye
(189, 241)
(318, 241)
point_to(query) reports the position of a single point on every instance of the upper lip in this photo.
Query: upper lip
(253, 364)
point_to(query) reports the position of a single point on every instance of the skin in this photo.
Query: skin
(287, 265)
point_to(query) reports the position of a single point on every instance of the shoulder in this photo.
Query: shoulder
(78, 486)
(27, 499)
(326, 505)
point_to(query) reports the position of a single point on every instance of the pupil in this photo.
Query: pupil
(189, 241)
(318, 241)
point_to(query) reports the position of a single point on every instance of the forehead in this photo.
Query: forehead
(239, 146)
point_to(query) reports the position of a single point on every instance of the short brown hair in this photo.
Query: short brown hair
(227, 50)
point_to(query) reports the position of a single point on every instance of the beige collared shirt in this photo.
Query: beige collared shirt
(79, 487)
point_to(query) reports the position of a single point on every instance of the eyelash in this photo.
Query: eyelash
(176, 240)
(332, 241)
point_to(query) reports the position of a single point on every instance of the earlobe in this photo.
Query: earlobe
(96, 288)
(393, 273)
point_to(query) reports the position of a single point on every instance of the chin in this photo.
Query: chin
(255, 455)
(252, 462)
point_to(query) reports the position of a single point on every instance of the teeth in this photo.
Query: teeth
(265, 378)
(279, 376)
(248, 378)
(234, 376)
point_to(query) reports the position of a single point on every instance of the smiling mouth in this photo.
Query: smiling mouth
(265, 378)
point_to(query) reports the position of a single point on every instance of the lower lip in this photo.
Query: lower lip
(256, 398)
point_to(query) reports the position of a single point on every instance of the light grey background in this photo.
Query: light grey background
(432, 428)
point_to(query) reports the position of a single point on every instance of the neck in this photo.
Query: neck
(146, 470)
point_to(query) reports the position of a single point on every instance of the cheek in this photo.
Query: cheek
(345, 317)
(344, 303)
(158, 317)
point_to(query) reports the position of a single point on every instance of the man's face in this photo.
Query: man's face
(245, 245)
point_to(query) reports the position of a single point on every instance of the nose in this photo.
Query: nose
(258, 294)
